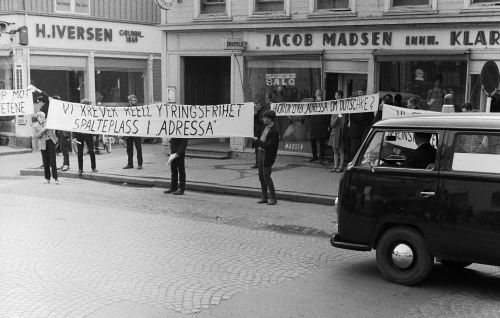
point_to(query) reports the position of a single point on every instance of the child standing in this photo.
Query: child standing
(47, 143)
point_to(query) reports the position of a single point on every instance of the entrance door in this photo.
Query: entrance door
(207, 81)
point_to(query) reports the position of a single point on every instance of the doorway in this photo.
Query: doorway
(207, 81)
(350, 84)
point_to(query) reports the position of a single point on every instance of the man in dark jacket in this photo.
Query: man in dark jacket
(177, 166)
(131, 141)
(424, 155)
(318, 129)
(267, 150)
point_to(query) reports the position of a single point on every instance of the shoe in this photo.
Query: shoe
(128, 167)
(95, 170)
(80, 173)
(254, 167)
(139, 167)
(46, 181)
(341, 169)
(313, 159)
(335, 169)
(272, 202)
(169, 191)
(261, 201)
(178, 192)
(57, 182)
(65, 168)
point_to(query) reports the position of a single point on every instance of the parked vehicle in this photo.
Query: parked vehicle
(424, 188)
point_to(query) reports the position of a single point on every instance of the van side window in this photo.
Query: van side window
(476, 153)
(402, 149)
(371, 157)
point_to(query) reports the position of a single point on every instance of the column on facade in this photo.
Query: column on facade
(90, 79)
(149, 82)
(237, 94)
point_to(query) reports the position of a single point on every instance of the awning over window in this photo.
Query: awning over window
(421, 55)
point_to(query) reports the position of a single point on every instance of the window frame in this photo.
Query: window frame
(253, 13)
(453, 137)
(313, 8)
(72, 9)
(199, 15)
(437, 162)
(470, 5)
(432, 6)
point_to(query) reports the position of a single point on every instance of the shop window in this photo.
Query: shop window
(485, 2)
(72, 6)
(425, 82)
(210, 7)
(482, 4)
(272, 81)
(113, 87)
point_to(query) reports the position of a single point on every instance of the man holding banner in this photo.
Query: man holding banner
(133, 140)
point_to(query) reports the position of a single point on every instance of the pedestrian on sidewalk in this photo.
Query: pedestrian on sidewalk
(178, 166)
(47, 144)
(318, 130)
(131, 141)
(258, 127)
(83, 139)
(335, 141)
(268, 148)
(64, 138)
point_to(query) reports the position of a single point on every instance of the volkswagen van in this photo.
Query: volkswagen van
(424, 189)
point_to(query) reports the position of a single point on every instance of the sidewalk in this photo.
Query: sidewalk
(6, 150)
(295, 180)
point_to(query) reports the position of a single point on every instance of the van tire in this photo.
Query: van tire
(421, 262)
(454, 264)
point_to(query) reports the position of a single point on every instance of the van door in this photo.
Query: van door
(470, 197)
(384, 187)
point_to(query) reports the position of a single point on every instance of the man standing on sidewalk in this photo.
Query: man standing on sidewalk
(132, 99)
(64, 143)
(177, 166)
(268, 148)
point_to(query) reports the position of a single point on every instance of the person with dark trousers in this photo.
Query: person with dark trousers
(258, 127)
(47, 144)
(131, 141)
(83, 139)
(178, 166)
(64, 144)
(319, 133)
(359, 125)
(268, 148)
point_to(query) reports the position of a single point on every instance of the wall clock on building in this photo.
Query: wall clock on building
(165, 4)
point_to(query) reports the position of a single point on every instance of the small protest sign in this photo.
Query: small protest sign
(360, 104)
(158, 120)
(14, 102)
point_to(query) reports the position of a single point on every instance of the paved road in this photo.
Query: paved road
(86, 249)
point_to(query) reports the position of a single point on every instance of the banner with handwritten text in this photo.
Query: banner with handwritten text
(389, 111)
(158, 120)
(360, 104)
(14, 102)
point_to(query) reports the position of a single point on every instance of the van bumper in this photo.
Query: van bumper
(336, 241)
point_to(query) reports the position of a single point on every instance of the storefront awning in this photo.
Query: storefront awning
(303, 55)
(426, 55)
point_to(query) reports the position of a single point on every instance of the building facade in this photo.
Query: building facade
(95, 49)
(285, 50)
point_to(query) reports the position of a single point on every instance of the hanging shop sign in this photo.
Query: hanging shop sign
(235, 44)
(283, 79)
(165, 4)
(490, 78)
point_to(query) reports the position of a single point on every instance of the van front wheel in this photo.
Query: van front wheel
(402, 256)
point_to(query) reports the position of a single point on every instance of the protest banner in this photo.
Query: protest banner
(14, 102)
(158, 120)
(360, 104)
(389, 111)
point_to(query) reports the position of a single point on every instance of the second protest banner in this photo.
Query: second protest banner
(15, 102)
(158, 120)
(389, 111)
(360, 104)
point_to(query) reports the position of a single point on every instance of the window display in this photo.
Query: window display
(276, 81)
(424, 82)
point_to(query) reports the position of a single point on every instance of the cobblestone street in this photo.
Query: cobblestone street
(87, 249)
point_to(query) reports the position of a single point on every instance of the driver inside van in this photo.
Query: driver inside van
(424, 155)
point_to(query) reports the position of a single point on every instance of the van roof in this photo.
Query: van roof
(463, 121)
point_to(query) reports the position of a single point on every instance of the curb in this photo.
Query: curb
(15, 152)
(192, 186)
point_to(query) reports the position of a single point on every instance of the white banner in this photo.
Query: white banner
(16, 102)
(390, 111)
(159, 120)
(360, 104)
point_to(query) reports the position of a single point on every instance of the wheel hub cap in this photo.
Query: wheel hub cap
(402, 256)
